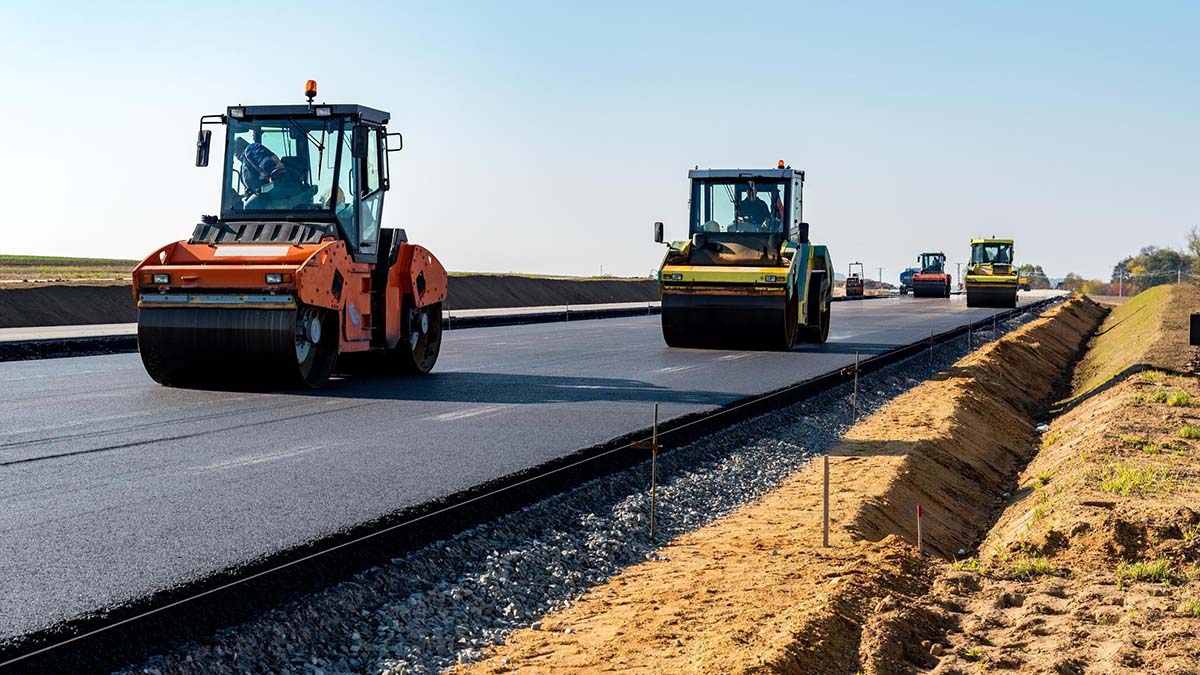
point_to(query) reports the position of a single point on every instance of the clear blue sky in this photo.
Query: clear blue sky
(547, 137)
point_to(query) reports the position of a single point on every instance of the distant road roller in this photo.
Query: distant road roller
(747, 276)
(855, 284)
(297, 272)
(931, 281)
(991, 278)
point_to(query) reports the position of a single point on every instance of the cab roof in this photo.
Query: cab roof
(769, 174)
(991, 241)
(359, 112)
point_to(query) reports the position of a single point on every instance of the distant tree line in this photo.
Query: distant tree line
(1152, 266)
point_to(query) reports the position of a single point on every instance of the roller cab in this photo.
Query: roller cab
(296, 277)
(747, 276)
(991, 279)
(931, 280)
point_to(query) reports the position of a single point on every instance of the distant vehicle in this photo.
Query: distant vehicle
(855, 282)
(906, 279)
(1023, 283)
(931, 281)
(991, 277)
(748, 274)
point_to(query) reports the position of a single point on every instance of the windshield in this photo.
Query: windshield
(740, 205)
(991, 253)
(932, 262)
(276, 165)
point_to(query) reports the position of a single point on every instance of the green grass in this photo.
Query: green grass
(1160, 397)
(1179, 399)
(1127, 479)
(1191, 533)
(1153, 375)
(1190, 607)
(969, 564)
(1132, 441)
(1139, 399)
(1042, 478)
(1052, 437)
(33, 267)
(1123, 339)
(1028, 567)
(1156, 571)
(1189, 431)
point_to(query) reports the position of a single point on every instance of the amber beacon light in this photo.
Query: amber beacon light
(310, 90)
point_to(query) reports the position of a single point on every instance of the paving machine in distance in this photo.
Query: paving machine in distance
(855, 281)
(931, 281)
(906, 279)
(991, 278)
(297, 271)
(747, 276)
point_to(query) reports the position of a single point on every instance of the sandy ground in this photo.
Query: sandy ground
(756, 593)
(1093, 567)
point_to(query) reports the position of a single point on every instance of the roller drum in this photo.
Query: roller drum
(727, 321)
(209, 346)
(991, 296)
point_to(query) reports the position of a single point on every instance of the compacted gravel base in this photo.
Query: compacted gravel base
(443, 604)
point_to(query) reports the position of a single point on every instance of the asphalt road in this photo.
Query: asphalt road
(112, 487)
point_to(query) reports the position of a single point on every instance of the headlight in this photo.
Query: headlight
(161, 278)
(675, 277)
(275, 278)
(323, 111)
(770, 278)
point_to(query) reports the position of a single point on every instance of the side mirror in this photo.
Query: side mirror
(358, 143)
(203, 144)
(399, 143)
(802, 233)
(658, 233)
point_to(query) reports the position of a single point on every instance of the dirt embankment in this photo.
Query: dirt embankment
(755, 592)
(77, 304)
(1094, 565)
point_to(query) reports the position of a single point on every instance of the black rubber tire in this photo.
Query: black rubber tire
(819, 333)
(420, 338)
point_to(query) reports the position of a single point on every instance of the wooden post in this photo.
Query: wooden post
(825, 525)
(930, 351)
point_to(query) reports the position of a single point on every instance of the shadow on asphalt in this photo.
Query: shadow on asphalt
(466, 387)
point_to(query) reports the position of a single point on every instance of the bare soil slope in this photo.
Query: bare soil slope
(1093, 566)
(755, 592)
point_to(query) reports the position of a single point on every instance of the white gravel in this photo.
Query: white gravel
(444, 604)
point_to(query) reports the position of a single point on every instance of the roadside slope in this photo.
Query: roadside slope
(1093, 566)
(755, 593)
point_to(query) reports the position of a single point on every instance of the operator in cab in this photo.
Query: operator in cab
(752, 211)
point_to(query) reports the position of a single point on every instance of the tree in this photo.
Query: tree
(1193, 242)
(1073, 282)
(1155, 266)
(1036, 275)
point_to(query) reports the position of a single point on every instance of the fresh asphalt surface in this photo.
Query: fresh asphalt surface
(112, 487)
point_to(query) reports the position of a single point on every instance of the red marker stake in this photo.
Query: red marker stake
(919, 529)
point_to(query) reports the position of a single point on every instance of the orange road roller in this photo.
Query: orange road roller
(296, 277)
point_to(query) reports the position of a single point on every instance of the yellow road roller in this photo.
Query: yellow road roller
(991, 278)
(747, 276)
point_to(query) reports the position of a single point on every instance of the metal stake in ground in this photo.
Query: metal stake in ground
(920, 530)
(653, 468)
(930, 351)
(825, 521)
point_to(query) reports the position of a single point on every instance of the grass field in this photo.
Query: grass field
(52, 268)
(49, 268)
